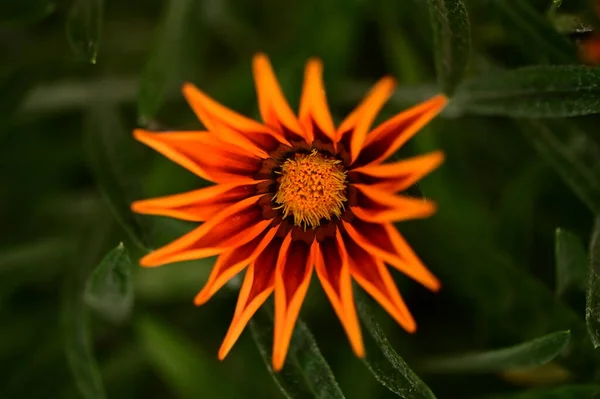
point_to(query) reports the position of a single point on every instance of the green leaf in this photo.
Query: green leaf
(574, 155)
(592, 306)
(567, 23)
(179, 362)
(78, 348)
(15, 84)
(109, 290)
(162, 69)
(384, 362)
(530, 29)
(563, 392)
(571, 262)
(306, 374)
(25, 11)
(109, 151)
(533, 92)
(84, 24)
(528, 354)
(452, 41)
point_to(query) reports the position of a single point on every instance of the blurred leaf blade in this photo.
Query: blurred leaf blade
(547, 91)
(532, 28)
(25, 11)
(574, 155)
(84, 26)
(583, 391)
(109, 158)
(528, 354)
(177, 360)
(305, 374)
(109, 290)
(452, 41)
(570, 262)
(77, 345)
(160, 73)
(592, 307)
(384, 362)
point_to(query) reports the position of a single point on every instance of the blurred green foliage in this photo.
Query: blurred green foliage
(80, 320)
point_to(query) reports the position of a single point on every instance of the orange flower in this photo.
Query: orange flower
(295, 193)
(589, 49)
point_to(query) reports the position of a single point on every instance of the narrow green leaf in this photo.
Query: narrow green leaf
(25, 11)
(571, 262)
(79, 352)
(452, 41)
(78, 348)
(564, 392)
(84, 24)
(554, 6)
(573, 155)
(179, 362)
(306, 374)
(15, 84)
(384, 362)
(109, 289)
(109, 151)
(592, 306)
(163, 67)
(533, 92)
(531, 29)
(567, 23)
(528, 354)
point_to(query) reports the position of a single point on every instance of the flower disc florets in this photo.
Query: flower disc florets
(311, 188)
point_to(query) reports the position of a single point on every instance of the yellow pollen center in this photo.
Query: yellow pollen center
(312, 187)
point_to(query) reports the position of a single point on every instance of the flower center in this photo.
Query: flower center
(312, 187)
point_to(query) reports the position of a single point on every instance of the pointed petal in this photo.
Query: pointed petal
(398, 176)
(386, 243)
(372, 274)
(202, 154)
(231, 127)
(258, 284)
(354, 128)
(292, 278)
(274, 108)
(333, 270)
(198, 205)
(230, 228)
(373, 205)
(315, 117)
(231, 263)
(390, 135)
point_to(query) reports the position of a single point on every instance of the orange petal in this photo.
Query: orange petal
(202, 154)
(292, 278)
(589, 48)
(354, 128)
(198, 205)
(274, 108)
(231, 263)
(314, 114)
(384, 242)
(231, 127)
(390, 135)
(372, 274)
(232, 227)
(333, 270)
(398, 176)
(379, 206)
(258, 284)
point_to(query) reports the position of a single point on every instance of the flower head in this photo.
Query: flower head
(295, 194)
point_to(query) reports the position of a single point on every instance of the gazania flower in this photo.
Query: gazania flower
(295, 194)
(589, 49)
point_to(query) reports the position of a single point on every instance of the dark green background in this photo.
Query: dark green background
(507, 184)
